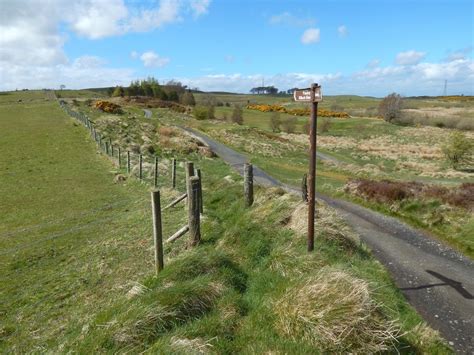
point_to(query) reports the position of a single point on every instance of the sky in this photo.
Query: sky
(364, 47)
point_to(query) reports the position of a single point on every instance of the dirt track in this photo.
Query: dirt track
(436, 280)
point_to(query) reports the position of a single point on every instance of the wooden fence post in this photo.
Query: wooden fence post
(248, 184)
(189, 170)
(157, 230)
(107, 148)
(140, 167)
(304, 188)
(119, 157)
(193, 211)
(173, 173)
(156, 172)
(112, 149)
(128, 162)
(201, 207)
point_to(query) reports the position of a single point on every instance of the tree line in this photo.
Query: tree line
(171, 91)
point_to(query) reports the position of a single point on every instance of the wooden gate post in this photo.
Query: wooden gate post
(157, 230)
(193, 211)
(201, 207)
(173, 173)
(248, 184)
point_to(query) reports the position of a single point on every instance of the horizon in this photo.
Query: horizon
(236, 45)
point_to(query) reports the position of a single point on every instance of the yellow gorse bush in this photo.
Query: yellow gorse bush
(107, 106)
(297, 111)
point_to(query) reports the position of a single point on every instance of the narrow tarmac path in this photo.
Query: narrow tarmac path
(436, 280)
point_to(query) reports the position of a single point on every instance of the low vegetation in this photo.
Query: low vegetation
(92, 289)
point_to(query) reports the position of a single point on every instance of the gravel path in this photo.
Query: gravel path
(435, 279)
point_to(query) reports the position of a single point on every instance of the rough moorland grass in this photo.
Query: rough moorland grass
(93, 290)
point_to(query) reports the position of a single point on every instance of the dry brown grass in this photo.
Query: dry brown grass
(334, 311)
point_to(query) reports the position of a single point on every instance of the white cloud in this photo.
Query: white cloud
(167, 12)
(342, 31)
(97, 18)
(288, 19)
(200, 7)
(419, 79)
(373, 63)
(134, 54)
(83, 72)
(311, 35)
(243, 83)
(459, 54)
(409, 57)
(152, 60)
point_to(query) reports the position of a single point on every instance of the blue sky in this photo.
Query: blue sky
(350, 47)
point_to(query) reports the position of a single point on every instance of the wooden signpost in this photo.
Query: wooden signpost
(312, 95)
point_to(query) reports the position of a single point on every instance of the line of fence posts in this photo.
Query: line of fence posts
(193, 193)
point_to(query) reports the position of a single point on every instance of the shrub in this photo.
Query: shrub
(296, 111)
(275, 122)
(458, 149)
(107, 106)
(201, 112)
(237, 115)
(390, 107)
(188, 99)
(325, 125)
(289, 125)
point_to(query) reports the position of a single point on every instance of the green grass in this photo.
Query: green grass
(73, 244)
(288, 164)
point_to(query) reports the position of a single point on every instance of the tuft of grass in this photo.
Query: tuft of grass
(335, 312)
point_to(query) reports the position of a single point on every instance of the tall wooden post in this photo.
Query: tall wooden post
(157, 230)
(312, 168)
(189, 170)
(193, 211)
(173, 173)
(128, 162)
(201, 206)
(107, 148)
(112, 149)
(248, 184)
(155, 182)
(119, 157)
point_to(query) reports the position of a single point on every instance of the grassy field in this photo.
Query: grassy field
(365, 148)
(77, 276)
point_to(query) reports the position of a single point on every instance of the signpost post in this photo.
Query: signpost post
(312, 95)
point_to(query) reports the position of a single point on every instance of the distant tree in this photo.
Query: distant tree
(110, 91)
(211, 112)
(237, 115)
(118, 92)
(187, 99)
(390, 107)
(275, 122)
(62, 86)
(458, 149)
